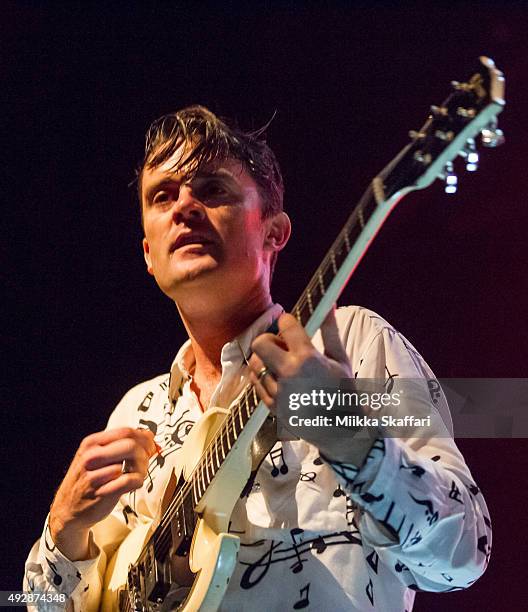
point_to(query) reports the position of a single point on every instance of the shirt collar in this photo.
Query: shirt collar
(235, 351)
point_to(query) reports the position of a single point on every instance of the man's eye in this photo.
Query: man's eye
(161, 197)
(215, 190)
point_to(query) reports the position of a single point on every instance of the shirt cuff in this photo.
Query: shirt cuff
(65, 575)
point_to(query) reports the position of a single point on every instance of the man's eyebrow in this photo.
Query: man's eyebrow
(170, 179)
(164, 182)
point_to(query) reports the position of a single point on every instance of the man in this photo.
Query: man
(354, 525)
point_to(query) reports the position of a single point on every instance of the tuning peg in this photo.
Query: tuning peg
(467, 113)
(450, 178)
(491, 135)
(472, 156)
(416, 135)
(438, 110)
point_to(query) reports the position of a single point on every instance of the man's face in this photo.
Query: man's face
(207, 231)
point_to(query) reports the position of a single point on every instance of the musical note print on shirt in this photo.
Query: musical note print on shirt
(304, 600)
(145, 404)
(57, 578)
(430, 513)
(281, 552)
(369, 590)
(277, 459)
(455, 493)
(298, 565)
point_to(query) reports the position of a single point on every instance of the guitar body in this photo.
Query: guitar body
(206, 571)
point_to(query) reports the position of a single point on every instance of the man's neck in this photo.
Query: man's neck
(210, 328)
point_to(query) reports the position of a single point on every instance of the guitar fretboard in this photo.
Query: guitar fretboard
(324, 282)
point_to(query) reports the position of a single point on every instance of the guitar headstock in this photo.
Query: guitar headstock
(450, 130)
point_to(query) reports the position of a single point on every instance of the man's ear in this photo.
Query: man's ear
(146, 255)
(278, 232)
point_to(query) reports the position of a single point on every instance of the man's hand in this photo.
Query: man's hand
(292, 355)
(94, 482)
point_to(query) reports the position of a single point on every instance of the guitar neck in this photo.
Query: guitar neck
(312, 307)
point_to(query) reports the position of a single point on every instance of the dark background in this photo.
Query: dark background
(84, 322)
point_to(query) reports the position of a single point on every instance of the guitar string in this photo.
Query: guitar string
(178, 500)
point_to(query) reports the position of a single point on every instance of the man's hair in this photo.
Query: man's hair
(208, 140)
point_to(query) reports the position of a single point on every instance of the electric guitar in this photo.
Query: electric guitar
(184, 559)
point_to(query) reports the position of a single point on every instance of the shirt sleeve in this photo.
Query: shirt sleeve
(421, 511)
(48, 570)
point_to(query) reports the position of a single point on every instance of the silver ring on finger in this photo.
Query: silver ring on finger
(126, 467)
(262, 373)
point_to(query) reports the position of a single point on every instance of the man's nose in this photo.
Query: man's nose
(188, 207)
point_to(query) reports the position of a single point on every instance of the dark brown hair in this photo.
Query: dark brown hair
(211, 139)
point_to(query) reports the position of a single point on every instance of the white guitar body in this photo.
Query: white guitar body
(213, 553)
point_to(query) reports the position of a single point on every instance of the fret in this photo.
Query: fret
(333, 260)
(246, 401)
(240, 418)
(195, 491)
(360, 216)
(209, 467)
(212, 461)
(309, 298)
(255, 396)
(235, 432)
(230, 435)
(223, 440)
(297, 313)
(218, 461)
(347, 242)
(321, 283)
(201, 480)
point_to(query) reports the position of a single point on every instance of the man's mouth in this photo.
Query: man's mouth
(191, 238)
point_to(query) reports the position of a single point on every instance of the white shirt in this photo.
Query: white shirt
(314, 535)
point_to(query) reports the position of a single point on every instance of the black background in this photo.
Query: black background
(84, 322)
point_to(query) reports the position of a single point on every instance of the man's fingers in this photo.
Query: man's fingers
(98, 478)
(292, 332)
(121, 485)
(143, 436)
(261, 390)
(268, 349)
(100, 456)
(333, 347)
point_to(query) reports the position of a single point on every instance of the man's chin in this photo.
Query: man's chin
(189, 274)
